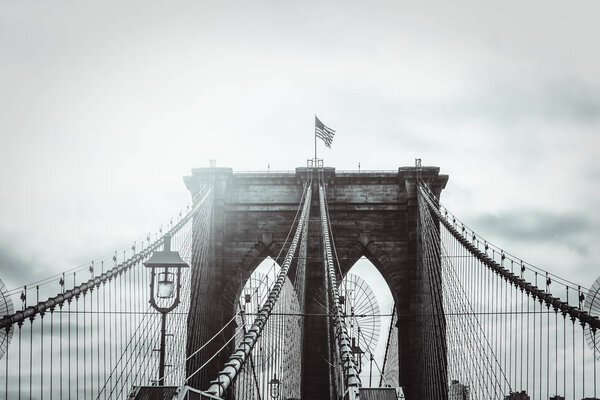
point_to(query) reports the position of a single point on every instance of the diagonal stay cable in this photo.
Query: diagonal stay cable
(135, 338)
(238, 330)
(549, 299)
(474, 324)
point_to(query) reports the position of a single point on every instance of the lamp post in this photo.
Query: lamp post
(165, 289)
(371, 369)
(274, 387)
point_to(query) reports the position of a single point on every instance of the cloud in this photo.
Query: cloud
(533, 225)
(102, 112)
(573, 100)
(565, 100)
(15, 268)
(505, 103)
(536, 226)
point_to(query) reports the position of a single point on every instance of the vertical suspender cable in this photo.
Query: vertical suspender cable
(51, 348)
(583, 359)
(30, 356)
(85, 345)
(42, 356)
(573, 354)
(20, 329)
(6, 369)
(92, 342)
(595, 357)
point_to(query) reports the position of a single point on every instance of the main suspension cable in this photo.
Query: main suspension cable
(351, 376)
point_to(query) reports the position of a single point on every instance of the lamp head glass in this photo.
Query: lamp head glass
(166, 285)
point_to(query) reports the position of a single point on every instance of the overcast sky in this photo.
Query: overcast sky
(104, 106)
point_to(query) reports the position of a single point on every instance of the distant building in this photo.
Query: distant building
(522, 395)
(458, 391)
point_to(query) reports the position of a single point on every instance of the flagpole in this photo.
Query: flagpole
(315, 138)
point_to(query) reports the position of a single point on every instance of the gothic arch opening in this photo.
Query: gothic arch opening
(369, 307)
(277, 353)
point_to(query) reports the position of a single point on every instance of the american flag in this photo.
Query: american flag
(324, 132)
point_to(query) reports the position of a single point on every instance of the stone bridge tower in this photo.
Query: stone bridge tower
(373, 214)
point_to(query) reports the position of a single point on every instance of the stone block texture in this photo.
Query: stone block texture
(372, 214)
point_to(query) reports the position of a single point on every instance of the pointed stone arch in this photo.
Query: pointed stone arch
(253, 257)
(366, 271)
(387, 264)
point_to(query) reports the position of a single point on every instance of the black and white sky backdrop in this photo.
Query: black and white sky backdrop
(105, 105)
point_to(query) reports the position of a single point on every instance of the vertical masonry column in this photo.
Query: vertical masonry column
(410, 319)
(416, 292)
(207, 309)
(252, 216)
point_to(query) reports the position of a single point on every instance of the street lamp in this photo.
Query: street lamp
(165, 289)
(274, 387)
(357, 353)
